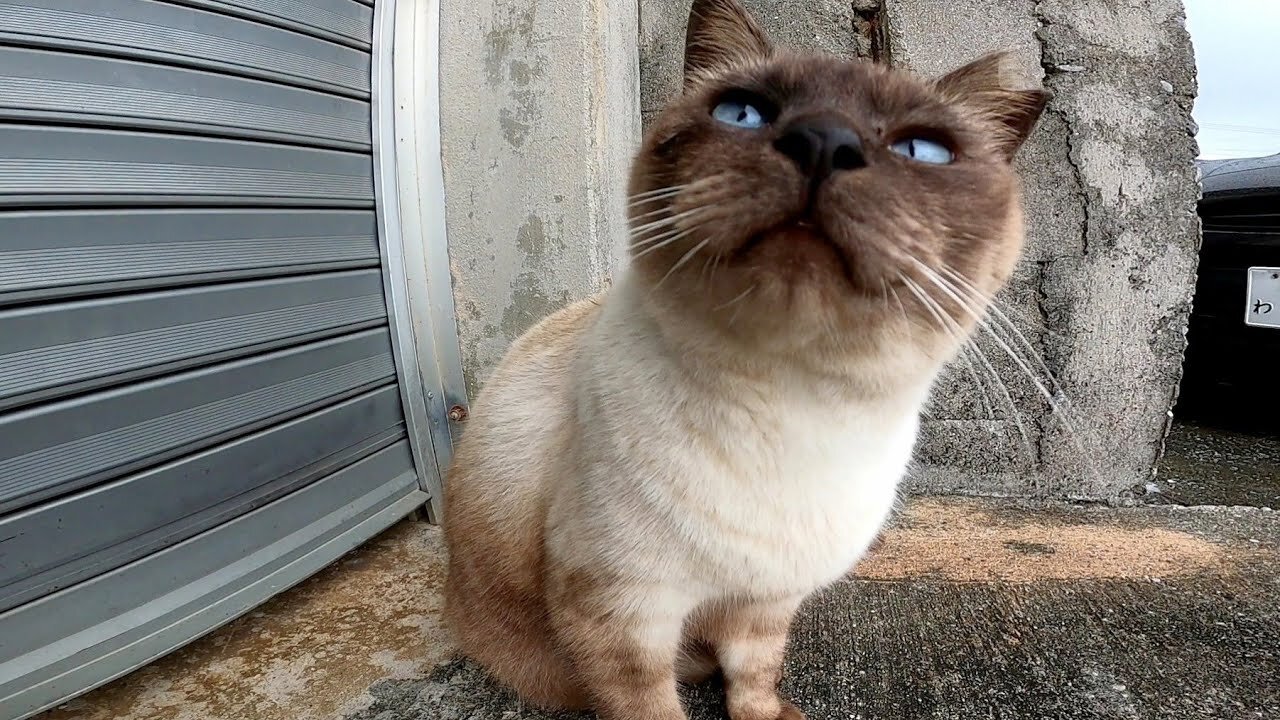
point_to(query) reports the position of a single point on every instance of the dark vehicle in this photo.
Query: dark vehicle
(1233, 356)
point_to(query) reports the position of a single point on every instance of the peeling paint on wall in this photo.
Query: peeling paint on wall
(536, 147)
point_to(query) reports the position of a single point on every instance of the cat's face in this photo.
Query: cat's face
(805, 198)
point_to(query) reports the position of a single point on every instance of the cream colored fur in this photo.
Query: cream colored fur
(656, 460)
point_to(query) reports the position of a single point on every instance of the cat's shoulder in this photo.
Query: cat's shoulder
(555, 333)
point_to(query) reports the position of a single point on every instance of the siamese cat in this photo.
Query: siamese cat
(654, 479)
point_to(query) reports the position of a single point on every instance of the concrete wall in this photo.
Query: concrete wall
(539, 105)
(1104, 291)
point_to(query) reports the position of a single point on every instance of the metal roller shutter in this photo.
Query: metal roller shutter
(202, 392)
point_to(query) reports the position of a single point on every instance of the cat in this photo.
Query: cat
(655, 478)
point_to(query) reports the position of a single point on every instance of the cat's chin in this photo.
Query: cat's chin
(800, 255)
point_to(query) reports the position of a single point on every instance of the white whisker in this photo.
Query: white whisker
(658, 192)
(932, 306)
(978, 316)
(666, 221)
(1056, 401)
(902, 308)
(1010, 327)
(740, 305)
(651, 213)
(659, 238)
(985, 402)
(683, 259)
(966, 347)
(739, 297)
(664, 243)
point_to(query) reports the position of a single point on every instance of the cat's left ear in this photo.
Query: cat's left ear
(1012, 114)
(721, 34)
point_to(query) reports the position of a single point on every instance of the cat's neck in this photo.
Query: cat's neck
(634, 316)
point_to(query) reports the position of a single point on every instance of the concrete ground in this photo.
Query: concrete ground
(1220, 465)
(969, 610)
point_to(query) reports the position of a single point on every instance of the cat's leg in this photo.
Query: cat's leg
(624, 642)
(697, 661)
(750, 639)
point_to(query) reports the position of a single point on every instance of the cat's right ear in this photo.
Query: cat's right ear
(981, 86)
(721, 34)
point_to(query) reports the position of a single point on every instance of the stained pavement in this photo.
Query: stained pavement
(970, 609)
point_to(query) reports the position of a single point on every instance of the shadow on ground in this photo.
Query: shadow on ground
(1222, 464)
(460, 690)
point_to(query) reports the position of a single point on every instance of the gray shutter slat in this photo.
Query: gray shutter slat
(168, 504)
(67, 165)
(339, 20)
(47, 255)
(55, 349)
(63, 87)
(58, 448)
(199, 402)
(147, 29)
(60, 633)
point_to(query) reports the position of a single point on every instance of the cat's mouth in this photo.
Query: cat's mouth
(798, 247)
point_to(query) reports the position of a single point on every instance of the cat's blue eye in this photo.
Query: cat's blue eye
(925, 151)
(739, 113)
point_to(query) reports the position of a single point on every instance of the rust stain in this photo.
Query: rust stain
(308, 654)
(964, 542)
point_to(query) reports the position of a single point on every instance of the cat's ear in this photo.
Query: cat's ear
(981, 86)
(721, 34)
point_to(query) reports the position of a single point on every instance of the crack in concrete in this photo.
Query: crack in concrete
(1053, 71)
(871, 28)
(1049, 360)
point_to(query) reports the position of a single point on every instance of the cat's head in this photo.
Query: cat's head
(809, 203)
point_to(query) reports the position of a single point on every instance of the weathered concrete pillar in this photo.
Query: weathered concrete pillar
(1104, 291)
(539, 117)
(1124, 75)
(978, 438)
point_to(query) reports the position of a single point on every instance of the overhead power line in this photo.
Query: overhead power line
(1252, 129)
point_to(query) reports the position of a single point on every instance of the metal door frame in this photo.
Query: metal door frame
(412, 232)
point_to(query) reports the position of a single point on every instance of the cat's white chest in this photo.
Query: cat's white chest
(797, 509)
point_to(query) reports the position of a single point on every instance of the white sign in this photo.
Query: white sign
(1262, 305)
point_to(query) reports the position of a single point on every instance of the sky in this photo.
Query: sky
(1237, 45)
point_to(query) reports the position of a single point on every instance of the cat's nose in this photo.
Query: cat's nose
(821, 146)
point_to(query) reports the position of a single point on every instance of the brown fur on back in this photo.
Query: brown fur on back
(495, 600)
(495, 538)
